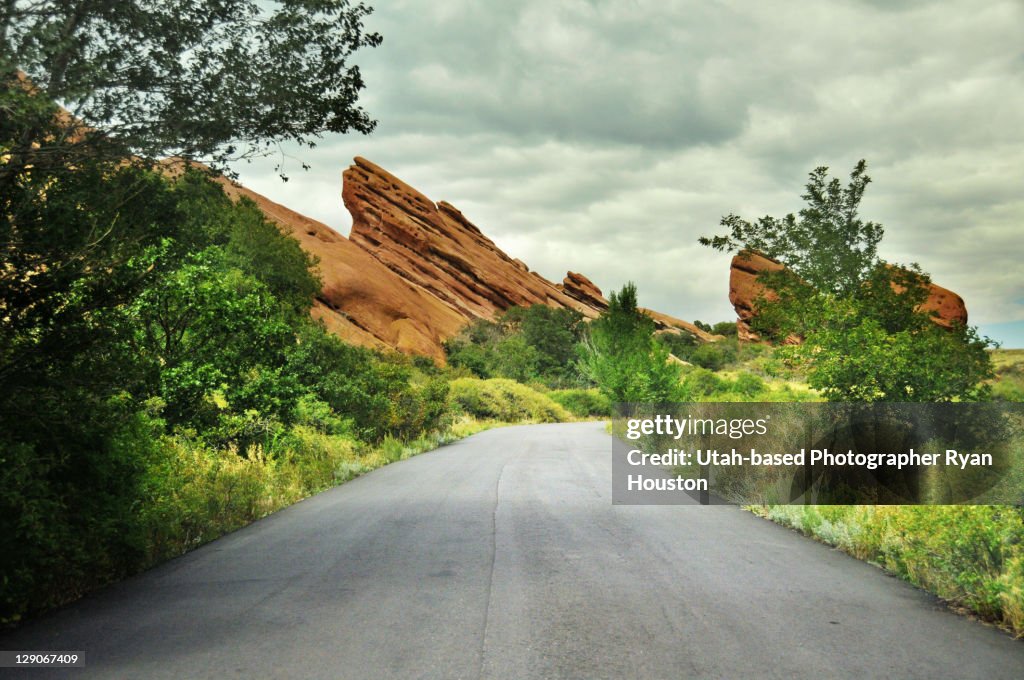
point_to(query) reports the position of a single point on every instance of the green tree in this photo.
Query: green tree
(216, 341)
(726, 328)
(864, 334)
(117, 286)
(377, 395)
(553, 334)
(826, 244)
(200, 79)
(620, 354)
(252, 243)
(524, 344)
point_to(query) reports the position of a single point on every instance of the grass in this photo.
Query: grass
(1008, 384)
(197, 494)
(971, 556)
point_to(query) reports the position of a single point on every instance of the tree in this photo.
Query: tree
(864, 335)
(620, 354)
(200, 79)
(524, 344)
(129, 302)
(827, 246)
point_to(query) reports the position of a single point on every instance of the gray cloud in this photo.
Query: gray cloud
(605, 137)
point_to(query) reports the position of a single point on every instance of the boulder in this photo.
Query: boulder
(945, 306)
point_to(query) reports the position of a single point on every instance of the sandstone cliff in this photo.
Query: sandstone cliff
(413, 272)
(435, 247)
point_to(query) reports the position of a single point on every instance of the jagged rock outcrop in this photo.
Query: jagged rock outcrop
(413, 273)
(362, 300)
(664, 322)
(437, 248)
(579, 287)
(744, 290)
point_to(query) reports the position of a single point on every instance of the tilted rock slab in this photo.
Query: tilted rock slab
(413, 272)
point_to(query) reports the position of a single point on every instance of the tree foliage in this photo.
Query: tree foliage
(864, 334)
(200, 79)
(524, 344)
(826, 244)
(620, 354)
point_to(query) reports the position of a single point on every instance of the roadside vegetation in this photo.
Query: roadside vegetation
(169, 386)
(161, 381)
(864, 339)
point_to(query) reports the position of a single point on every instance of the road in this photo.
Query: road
(502, 556)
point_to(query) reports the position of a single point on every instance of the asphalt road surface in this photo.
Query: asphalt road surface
(502, 556)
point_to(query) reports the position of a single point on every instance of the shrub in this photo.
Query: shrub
(714, 355)
(505, 400)
(700, 383)
(583, 403)
(749, 385)
(726, 328)
(681, 344)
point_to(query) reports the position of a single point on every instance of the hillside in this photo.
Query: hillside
(413, 271)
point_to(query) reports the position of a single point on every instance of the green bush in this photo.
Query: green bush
(583, 403)
(526, 344)
(681, 344)
(71, 522)
(714, 355)
(505, 400)
(726, 328)
(700, 383)
(749, 385)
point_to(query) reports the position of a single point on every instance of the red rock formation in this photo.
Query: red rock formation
(413, 273)
(744, 289)
(664, 322)
(362, 300)
(579, 287)
(945, 306)
(437, 248)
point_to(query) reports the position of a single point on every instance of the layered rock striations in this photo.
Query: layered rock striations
(413, 272)
(437, 248)
(582, 289)
(362, 300)
(945, 306)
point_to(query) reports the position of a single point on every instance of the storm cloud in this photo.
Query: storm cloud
(605, 137)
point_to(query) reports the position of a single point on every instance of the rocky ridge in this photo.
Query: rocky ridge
(413, 272)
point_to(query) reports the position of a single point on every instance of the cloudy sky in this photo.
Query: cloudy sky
(605, 137)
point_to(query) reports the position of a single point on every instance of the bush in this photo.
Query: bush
(505, 400)
(71, 522)
(583, 403)
(524, 344)
(749, 385)
(681, 344)
(726, 328)
(714, 355)
(700, 383)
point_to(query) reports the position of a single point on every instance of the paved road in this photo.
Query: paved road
(502, 556)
